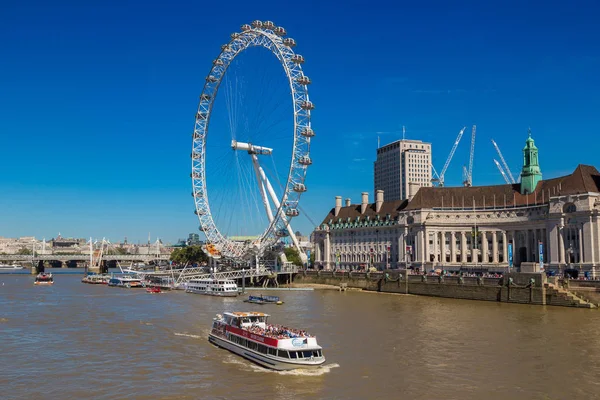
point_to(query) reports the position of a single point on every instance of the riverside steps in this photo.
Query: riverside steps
(523, 288)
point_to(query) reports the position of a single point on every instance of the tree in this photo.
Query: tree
(189, 255)
(291, 253)
(24, 251)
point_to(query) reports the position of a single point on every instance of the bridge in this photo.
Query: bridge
(187, 274)
(84, 257)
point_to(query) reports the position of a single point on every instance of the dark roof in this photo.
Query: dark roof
(584, 179)
(353, 211)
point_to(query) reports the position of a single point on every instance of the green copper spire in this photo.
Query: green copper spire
(531, 173)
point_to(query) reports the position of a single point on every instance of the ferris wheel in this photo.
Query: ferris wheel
(277, 204)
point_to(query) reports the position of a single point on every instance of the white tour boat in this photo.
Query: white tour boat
(272, 346)
(12, 267)
(213, 287)
(126, 281)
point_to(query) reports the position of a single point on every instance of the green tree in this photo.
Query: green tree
(291, 253)
(189, 255)
(24, 251)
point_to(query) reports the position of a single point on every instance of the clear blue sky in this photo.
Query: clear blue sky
(97, 99)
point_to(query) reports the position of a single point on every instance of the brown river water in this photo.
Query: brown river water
(75, 341)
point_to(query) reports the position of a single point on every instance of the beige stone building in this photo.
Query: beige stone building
(483, 228)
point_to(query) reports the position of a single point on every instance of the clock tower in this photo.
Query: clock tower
(531, 173)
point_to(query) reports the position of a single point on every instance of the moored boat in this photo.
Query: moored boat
(96, 279)
(248, 335)
(11, 267)
(153, 289)
(44, 279)
(263, 300)
(126, 281)
(213, 287)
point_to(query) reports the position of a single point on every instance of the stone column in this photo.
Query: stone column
(561, 244)
(401, 248)
(527, 248)
(473, 246)
(327, 245)
(494, 248)
(463, 247)
(435, 246)
(580, 245)
(425, 245)
(442, 247)
(591, 247)
(504, 248)
(452, 247)
(484, 247)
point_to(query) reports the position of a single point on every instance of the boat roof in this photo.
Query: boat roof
(247, 314)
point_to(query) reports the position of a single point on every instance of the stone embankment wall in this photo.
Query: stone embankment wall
(525, 288)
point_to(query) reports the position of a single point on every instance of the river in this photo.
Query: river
(73, 340)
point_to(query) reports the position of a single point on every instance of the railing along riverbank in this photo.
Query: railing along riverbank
(524, 288)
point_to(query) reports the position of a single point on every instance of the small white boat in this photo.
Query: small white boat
(12, 267)
(248, 334)
(213, 287)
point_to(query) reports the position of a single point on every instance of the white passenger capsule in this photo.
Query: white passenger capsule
(289, 42)
(280, 31)
(292, 212)
(257, 24)
(298, 59)
(211, 79)
(268, 25)
(235, 35)
(307, 132)
(246, 27)
(218, 61)
(299, 188)
(307, 105)
(305, 160)
(303, 80)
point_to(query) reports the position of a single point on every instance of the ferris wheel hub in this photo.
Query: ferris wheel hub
(250, 148)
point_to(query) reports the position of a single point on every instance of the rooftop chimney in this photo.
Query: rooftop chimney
(338, 205)
(413, 188)
(378, 200)
(364, 203)
(348, 204)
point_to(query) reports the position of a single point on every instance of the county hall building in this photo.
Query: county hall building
(551, 223)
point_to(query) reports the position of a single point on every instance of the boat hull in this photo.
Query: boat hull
(218, 294)
(262, 359)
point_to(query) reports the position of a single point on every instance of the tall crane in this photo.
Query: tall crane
(510, 175)
(468, 173)
(502, 171)
(440, 177)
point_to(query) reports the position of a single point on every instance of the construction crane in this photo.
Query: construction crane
(502, 171)
(468, 173)
(510, 175)
(440, 178)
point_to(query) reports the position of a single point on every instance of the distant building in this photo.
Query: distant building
(554, 223)
(193, 239)
(399, 164)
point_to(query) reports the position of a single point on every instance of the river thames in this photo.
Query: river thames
(73, 340)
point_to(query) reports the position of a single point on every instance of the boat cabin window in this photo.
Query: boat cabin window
(282, 353)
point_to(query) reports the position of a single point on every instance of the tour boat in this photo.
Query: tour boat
(96, 279)
(213, 287)
(248, 334)
(153, 289)
(13, 267)
(44, 279)
(126, 281)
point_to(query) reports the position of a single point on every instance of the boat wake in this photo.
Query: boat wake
(187, 335)
(325, 369)
(249, 366)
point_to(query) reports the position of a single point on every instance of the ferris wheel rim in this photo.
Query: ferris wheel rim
(272, 40)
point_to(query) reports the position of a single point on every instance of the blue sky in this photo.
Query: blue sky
(97, 99)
